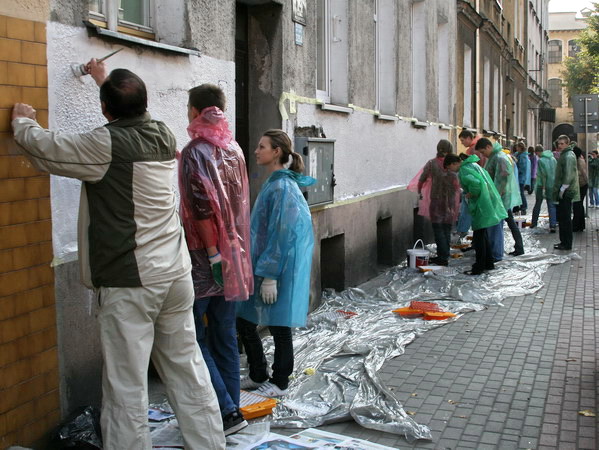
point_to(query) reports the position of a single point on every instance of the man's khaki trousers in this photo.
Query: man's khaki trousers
(154, 320)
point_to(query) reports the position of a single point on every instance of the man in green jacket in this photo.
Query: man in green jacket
(565, 191)
(544, 187)
(484, 204)
(501, 170)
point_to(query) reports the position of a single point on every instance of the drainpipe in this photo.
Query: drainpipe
(477, 95)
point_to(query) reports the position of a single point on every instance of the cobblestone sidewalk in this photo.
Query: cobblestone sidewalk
(512, 377)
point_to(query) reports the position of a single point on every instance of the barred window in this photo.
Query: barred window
(573, 48)
(554, 51)
(554, 87)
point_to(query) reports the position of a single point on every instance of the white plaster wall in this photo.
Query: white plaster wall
(371, 155)
(74, 105)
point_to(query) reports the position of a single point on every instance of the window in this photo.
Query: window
(573, 48)
(332, 52)
(468, 87)
(496, 108)
(443, 52)
(419, 59)
(486, 93)
(124, 15)
(555, 92)
(554, 52)
(386, 56)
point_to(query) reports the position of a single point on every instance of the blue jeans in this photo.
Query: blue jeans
(594, 196)
(218, 342)
(442, 233)
(495, 237)
(551, 210)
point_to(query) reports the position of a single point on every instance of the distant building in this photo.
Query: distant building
(564, 28)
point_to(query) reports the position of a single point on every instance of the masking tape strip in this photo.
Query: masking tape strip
(294, 98)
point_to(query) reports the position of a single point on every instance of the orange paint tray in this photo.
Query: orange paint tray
(254, 405)
(434, 315)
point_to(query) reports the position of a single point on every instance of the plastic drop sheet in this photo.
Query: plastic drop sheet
(354, 332)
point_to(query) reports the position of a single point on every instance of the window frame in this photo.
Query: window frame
(558, 95)
(109, 18)
(552, 57)
(324, 47)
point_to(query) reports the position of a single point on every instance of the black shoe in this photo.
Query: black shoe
(473, 272)
(516, 253)
(438, 261)
(561, 247)
(552, 230)
(233, 422)
(491, 267)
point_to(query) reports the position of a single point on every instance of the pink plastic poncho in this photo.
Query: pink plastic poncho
(215, 206)
(440, 189)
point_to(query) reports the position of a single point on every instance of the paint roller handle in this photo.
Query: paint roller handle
(97, 69)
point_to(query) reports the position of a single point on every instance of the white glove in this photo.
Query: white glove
(268, 291)
(562, 189)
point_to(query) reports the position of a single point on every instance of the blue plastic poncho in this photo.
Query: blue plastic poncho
(523, 168)
(281, 246)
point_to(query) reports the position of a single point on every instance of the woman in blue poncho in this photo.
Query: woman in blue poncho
(281, 247)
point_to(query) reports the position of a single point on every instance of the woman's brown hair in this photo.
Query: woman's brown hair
(279, 139)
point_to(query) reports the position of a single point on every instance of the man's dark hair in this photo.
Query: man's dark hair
(466, 134)
(451, 158)
(482, 143)
(124, 94)
(207, 95)
(463, 156)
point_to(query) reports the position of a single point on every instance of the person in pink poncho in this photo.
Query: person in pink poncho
(215, 210)
(439, 192)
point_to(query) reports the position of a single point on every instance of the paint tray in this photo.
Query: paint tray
(254, 405)
(438, 315)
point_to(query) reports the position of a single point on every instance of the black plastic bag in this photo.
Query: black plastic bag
(80, 431)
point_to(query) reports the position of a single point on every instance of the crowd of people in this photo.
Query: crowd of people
(177, 286)
(485, 185)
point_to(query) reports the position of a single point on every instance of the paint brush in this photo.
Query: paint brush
(80, 69)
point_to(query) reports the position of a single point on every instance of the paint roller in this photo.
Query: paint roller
(79, 69)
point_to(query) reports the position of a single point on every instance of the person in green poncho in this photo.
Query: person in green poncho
(484, 204)
(544, 187)
(565, 191)
(594, 179)
(503, 173)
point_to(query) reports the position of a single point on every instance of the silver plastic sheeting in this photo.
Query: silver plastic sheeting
(353, 333)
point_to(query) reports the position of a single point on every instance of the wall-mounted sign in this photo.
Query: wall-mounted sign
(299, 11)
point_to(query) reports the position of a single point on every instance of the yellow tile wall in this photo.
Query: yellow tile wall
(28, 352)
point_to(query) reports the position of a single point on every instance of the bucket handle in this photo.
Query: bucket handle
(416, 243)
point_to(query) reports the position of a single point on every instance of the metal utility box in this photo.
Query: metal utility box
(318, 155)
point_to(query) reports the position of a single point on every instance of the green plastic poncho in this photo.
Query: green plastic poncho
(501, 169)
(282, 241)
(566, 172)
(545, 175)
(484, 204)
(594, 172)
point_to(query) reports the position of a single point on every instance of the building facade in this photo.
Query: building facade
(501, 70)
(564, 28)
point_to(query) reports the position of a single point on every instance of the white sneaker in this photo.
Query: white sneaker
(269, 389)
(247, 384)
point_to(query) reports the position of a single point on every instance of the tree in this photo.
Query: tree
(581, 74)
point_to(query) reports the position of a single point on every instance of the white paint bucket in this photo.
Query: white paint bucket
(418, 256)
(520, 221)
